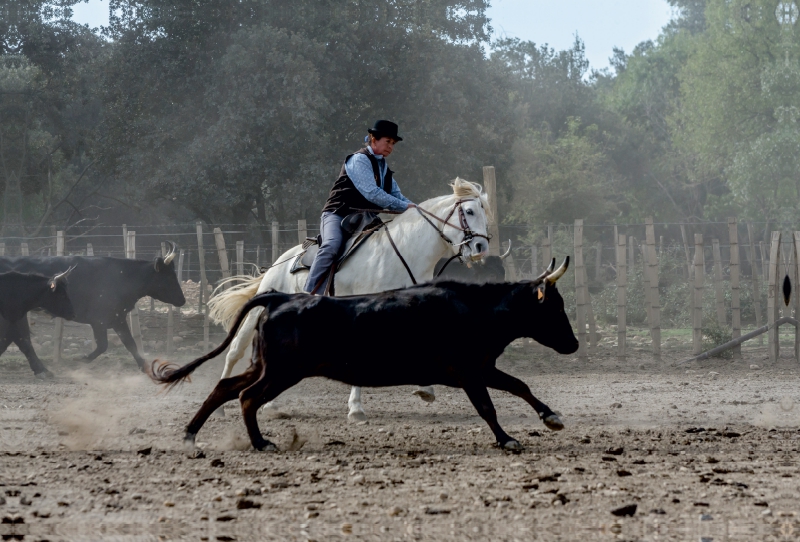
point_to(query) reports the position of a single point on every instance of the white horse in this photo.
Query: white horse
(447, 225)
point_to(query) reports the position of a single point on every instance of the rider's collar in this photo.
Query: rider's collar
(378, 156)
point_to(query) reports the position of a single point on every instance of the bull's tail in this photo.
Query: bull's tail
(171, 375)
(223, 307)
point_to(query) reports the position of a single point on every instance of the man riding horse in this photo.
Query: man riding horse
(365, 183)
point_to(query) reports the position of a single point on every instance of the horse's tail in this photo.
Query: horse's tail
(223, 307)
(162, 372)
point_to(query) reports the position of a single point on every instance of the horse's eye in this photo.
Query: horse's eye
(469, 212)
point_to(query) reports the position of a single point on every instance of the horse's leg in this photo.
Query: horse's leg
(497, 379)
(238, 346)
(425, 393)
(356, 413)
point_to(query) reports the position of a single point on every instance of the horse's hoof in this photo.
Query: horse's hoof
(512, 446)
(426, 394)
(357, 416)
(220, 412)
(553, 422)
(266, 447)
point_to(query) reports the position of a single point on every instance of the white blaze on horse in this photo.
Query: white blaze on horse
(445, 226)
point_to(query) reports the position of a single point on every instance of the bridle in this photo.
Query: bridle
(469, 235)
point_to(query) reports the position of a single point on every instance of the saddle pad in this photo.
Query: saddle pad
(303, 261)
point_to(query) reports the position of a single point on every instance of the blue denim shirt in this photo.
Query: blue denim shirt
(359, 169)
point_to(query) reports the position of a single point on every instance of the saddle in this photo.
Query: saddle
(360, 226)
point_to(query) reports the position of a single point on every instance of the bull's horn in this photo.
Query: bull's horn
(60, 277)
(504, 256)
(558, 273)
(63, 275)
(546, 271)
(171, 254)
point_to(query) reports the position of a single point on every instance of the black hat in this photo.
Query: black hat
(385, 128)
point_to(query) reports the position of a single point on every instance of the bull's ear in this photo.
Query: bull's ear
(158, 265)
(540, 291)
(53, 284)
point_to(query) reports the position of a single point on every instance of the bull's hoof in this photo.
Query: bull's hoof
(512, 446)
(44, 375)
(553, 422)
(188, 442)
(425, 393)
(356, 416)
(266, 446)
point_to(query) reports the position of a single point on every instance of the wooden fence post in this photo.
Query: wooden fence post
(754, 280)
(23, 249)
(764, 260)
(655, 305)
(136, 329)
(598, 261)
(736, 313)
(697, 304)
(510, 265)
(170, 316)
(125, 240)
(222, 254)
(631, 253)
(648, 303)
(302, 231)
(719, 295)
(535, 261)
(490, 185)
(686, 251)
(58, 333)
(773, 303)
(240, 257)
(275, 248)
(89, 249)
(547, 253)
(580, 293)
(201, 254)
(258, 257)
(622, 286)
(179, 269)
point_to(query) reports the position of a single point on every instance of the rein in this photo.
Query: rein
(469, 235)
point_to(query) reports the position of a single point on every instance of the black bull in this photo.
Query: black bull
(23, 292)
(451, 333)
(104, 290)
(490, 269)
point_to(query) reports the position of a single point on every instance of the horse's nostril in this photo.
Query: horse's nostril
(479, 247)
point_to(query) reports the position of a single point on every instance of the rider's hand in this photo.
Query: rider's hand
(411, 206)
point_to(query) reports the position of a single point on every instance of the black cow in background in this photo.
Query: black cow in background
(104, 290)
(23, 292)
(490, 269)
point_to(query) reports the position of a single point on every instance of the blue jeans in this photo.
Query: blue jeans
(333, 239)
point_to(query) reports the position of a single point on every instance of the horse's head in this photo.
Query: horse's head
(467, 225)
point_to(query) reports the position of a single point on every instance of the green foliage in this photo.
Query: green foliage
(716, 335)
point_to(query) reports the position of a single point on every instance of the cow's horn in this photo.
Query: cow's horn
(504, 256)
(63, 275)
(171, 254)
(558, 273)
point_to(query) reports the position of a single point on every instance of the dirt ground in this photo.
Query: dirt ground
(703, 452)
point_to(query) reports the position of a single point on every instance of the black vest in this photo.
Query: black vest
(345, 198)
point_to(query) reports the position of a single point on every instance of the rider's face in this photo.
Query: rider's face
(383, 146)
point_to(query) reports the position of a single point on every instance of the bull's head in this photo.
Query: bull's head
(57, 302)
(551, 326)
(164, 284)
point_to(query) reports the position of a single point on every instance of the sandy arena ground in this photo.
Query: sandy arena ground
(705, 452)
